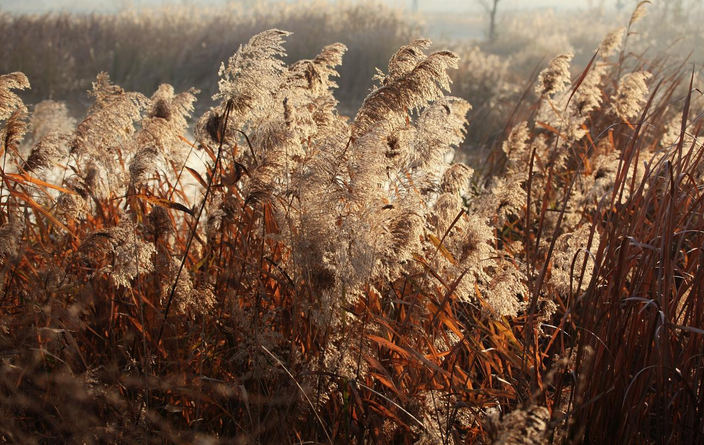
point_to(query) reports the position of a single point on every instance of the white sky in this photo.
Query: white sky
(424, 5)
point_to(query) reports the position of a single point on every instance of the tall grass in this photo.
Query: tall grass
(327, 279)
(184, 45)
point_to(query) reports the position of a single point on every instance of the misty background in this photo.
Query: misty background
(41, 6)
(61, 45)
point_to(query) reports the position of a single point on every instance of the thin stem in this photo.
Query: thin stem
(192, 234)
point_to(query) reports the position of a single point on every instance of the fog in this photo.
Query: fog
(43, 6)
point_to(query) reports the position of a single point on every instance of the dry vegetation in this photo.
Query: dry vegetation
(184, 45)
(326, 279)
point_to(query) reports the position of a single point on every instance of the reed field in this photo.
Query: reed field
(476, 242)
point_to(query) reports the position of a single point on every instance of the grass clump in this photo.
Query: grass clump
(340, 280)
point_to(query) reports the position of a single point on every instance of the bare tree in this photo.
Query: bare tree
(490, 6)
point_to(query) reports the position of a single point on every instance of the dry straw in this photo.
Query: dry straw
(398, 291)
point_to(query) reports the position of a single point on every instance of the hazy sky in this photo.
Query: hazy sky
(424, 5)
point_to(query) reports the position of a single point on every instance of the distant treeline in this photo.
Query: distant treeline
(61, 53)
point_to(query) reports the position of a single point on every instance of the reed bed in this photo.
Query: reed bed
(328, 279)
(183, 45)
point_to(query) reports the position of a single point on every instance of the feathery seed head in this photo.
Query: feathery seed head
(569, 246)
(446, 208)
(456, 179)
(143, 165)
(631, 95)
(314, 75)
(14, 130)
(47, 151)
(10, 235)
(406, 58)
(161, 132)
(612, 42)
(119, 252)
(588, 96)
(253, 73)
(70, 206)
(556, 77)
(110, 120)
(638, 13)
(527, 426)
(506, 290)
(50, 117)
(187, 298)
(388, 106)
(10, 101)
(516, 145)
